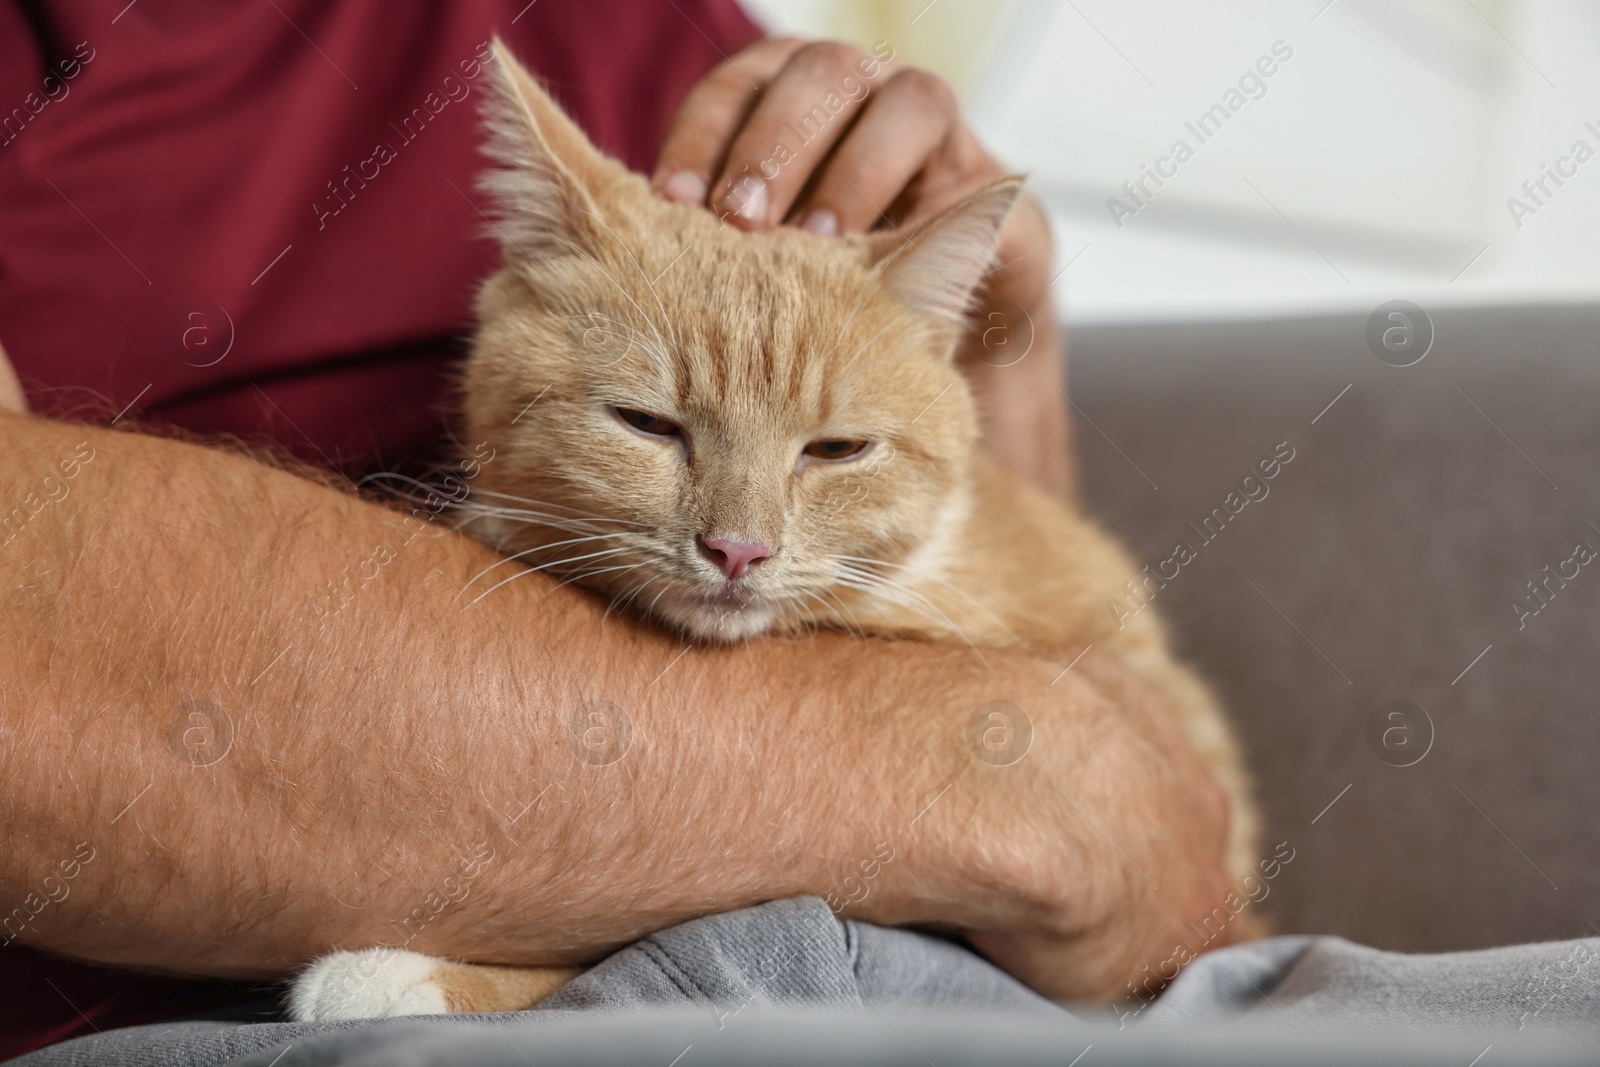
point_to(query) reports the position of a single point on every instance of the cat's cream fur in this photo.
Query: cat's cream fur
(754, 346)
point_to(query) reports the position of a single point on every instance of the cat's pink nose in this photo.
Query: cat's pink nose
(733, 557)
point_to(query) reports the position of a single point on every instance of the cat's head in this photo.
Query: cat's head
(728, 431)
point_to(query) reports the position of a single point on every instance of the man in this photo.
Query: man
(251, 739)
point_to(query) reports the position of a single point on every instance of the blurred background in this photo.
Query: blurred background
(1378, 160)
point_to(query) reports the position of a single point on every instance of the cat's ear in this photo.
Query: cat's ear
(940, 266)
(551, 180)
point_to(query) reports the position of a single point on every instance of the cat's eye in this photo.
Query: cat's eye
(836, 449)
(646, 423)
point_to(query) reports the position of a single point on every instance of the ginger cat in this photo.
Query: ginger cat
(745, 434)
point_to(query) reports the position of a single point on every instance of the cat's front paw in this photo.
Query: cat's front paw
(370, 984)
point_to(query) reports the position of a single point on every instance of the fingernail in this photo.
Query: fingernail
(821, 222)
(686, 187)
(747, 199)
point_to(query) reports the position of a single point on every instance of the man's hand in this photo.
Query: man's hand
(838, 140)
(1162, 859)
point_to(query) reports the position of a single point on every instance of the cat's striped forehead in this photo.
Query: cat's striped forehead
(737, 323)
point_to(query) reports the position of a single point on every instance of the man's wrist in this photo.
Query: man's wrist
(951, 845)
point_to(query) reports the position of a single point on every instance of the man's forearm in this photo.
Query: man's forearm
(1015, 357)
(381, 722)
(257, 718)
(1023, 404)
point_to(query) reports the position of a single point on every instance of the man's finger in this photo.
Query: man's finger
(801, 115)
(900, 131)
(711, 116)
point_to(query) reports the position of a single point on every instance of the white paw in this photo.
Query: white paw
(370, 984)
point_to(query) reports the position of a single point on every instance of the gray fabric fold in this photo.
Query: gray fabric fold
(728, 971)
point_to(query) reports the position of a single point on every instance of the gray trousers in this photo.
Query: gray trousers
(789, 982)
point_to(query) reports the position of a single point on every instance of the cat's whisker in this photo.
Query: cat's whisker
(593, 571)
(550, 504)
(525, 571)
(671, 582)
(586, 574)
(922, 605)
(536, 548)
(897, 593)
(433, 490)
(956, 589)
(884, 592)
(611, 605)
(391, 476)
(589, 572)
(839, 607)
(618, 285)
(905, 592)
(579, 576)
(897, 597)
(527, 518)
(650, 284)
(624, 599)
(471, 513)
(554, 563)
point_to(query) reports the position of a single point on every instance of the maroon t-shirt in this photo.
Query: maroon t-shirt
(261, 219)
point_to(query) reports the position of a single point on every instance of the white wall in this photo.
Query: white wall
(1375, 163)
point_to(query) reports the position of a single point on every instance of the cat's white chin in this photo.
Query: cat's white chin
(715, 622)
